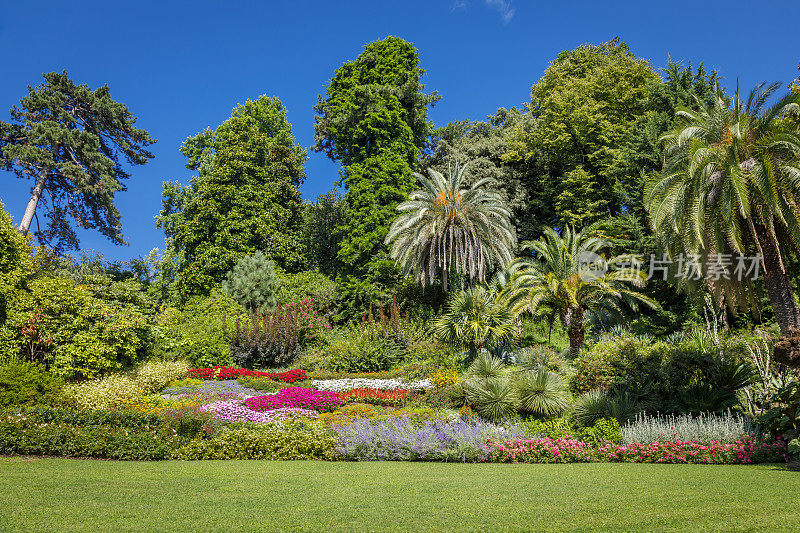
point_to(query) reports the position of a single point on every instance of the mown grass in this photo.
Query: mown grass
(77, 495)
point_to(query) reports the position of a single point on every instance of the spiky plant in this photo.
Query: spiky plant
(569, 277)
(476, 318)
(542, 393)
(494, 399)
(730, 187)
(591, 407)
(446, 228)
(485, 366)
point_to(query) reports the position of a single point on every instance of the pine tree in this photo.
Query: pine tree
(253, 282)
(68, 140)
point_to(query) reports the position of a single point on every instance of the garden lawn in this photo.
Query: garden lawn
(84, 495)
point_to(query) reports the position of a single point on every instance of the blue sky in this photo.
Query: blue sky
(182, 66)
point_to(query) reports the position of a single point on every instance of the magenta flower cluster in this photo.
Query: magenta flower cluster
(298, 398)
(746, 449)
(236, 411)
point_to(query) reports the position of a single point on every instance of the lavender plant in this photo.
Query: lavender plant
(401, 439)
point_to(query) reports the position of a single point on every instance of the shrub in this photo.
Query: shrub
(307, 285)
(155, 375)
(110, 392)
(90, 335)
(18, 437)
(253, 282)
(82, 417)
(401, 439)
(187, 423)
(23, 383)
(602, 431)
(627, 361)
(296, 397)
(276, 337)
(783, 419)
(228, 372)
(198, 332)
(278, 441)
(704, 428)
(362, 349)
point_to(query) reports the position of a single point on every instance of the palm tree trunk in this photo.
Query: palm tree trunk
(777, 283)
(38, 189)
(572, 318)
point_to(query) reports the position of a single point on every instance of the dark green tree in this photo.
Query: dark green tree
(373, 119)
(253, 282)
(245, 198)
(69, 140)
(322, 223)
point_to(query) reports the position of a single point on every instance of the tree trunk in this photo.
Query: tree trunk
(38, 189)
(778, 284)
(572, 319)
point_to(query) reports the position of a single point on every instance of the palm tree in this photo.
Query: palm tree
(475, 319)
(730, 186)
(445, 228)
(569, 277)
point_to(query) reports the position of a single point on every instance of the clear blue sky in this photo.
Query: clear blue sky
(182, 66)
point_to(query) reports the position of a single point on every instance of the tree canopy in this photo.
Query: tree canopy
(70, 141)
(373, 119)
(584, 109)
(245, 198)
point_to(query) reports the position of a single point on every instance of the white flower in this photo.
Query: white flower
(343, 385)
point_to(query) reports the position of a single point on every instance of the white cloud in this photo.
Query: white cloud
(504, 8)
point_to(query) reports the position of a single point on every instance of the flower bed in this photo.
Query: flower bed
(232, 372)
(403, 439)
(237, 411)
(212, 388)
(296, 397)
(344, 385)
(744, 450)
(377, 397)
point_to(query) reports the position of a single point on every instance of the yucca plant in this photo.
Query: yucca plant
(730, 187)
(591, 407)
(445, 227)
(494, 399)
(542, 393)
(485, 366)
(558, 279)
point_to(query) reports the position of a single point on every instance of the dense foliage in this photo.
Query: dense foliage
(245, 198)
(70, 141)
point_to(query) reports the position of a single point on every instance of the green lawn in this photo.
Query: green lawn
(77, 495)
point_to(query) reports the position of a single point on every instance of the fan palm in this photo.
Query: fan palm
(730, 186)
(475, 319)
(445, 228)
(568, 277)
